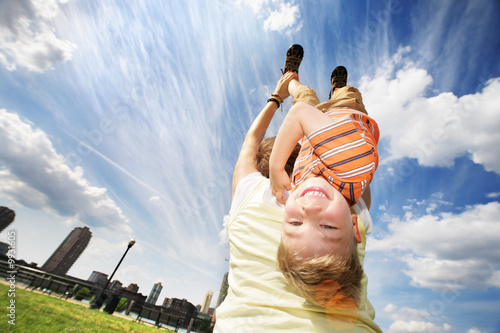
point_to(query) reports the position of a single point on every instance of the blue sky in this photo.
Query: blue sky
(128, 117)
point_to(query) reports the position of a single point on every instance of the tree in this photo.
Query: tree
(204, 327)
(122, 305)
(82, 293)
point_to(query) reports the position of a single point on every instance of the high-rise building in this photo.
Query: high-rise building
(206, 302)
(7, 216)
(68, 252)
(155, 292)
(223, 290)
(98, 278)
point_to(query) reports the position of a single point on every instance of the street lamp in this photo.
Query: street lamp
(99, 300)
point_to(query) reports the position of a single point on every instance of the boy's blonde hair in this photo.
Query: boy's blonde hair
(330, 281)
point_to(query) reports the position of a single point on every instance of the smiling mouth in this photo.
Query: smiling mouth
(315, 191)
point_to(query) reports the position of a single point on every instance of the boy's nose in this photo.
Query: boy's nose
(311, 207)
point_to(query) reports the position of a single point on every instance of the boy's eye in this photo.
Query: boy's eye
(328, 227)
(296, 223)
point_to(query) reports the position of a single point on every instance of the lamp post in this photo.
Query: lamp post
(99, 300)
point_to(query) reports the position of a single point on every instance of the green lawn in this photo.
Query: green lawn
(42, 313)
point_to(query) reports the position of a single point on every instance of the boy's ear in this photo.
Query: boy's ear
(357, 234)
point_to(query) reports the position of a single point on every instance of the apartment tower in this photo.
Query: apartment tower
(206, 302)
(68, 252)
(155, 292)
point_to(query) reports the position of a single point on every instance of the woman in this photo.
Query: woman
(259, 299)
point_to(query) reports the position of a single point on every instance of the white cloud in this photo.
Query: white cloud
(155, 199)
(446, 251)
(436, 129)
(284, 19)
(256, 5)
(494, 280)
(412, 320)
(405, 313)
(493, 195)
(34, 175)
(416, 327)
(104, 249)
(27, 36)
(474, 330)
(224, 233)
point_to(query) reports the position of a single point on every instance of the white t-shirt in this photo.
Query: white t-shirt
(259, 299)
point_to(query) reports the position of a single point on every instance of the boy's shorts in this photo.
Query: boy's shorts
(346, 97)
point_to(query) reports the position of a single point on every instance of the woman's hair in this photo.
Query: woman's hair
(331, 280)
(266, 146)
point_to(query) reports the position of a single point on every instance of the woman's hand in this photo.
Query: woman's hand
(280, 181)
(282, 86)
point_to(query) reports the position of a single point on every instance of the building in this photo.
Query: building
(134, 296)
(167, 302)
(223, 290)
(179, 308)
(98, 278)
(7, 216)
(115, 286)
(133, 287)
(206, 302)
(68, 252)
(155, 292)
(4, 249)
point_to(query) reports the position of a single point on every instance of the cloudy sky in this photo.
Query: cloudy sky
(127, 117)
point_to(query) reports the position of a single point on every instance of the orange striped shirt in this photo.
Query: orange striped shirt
(343, 152)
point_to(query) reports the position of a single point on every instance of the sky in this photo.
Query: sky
(128, 117)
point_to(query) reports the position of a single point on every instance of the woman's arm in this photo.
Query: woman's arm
(246, 163)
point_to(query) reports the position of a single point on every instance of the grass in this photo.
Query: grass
(42, 313)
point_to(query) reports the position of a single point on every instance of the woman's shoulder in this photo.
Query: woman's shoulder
(243, 188)
(364, 214)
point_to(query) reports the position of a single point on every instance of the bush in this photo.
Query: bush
(82, 293)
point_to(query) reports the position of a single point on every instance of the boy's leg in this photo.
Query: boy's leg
(345, 97)
(342, 95)
(302, 93)
(299, 92)
(294, 56)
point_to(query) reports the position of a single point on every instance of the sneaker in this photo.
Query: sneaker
(338, 78)
(294, 56)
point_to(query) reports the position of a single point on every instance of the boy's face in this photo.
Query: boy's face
(318, 220)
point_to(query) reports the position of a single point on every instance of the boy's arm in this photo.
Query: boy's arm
(301, 120)
(246, 163)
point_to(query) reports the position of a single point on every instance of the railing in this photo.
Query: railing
(158, 317)
(48, 283)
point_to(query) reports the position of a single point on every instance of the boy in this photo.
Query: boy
(339, 156)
